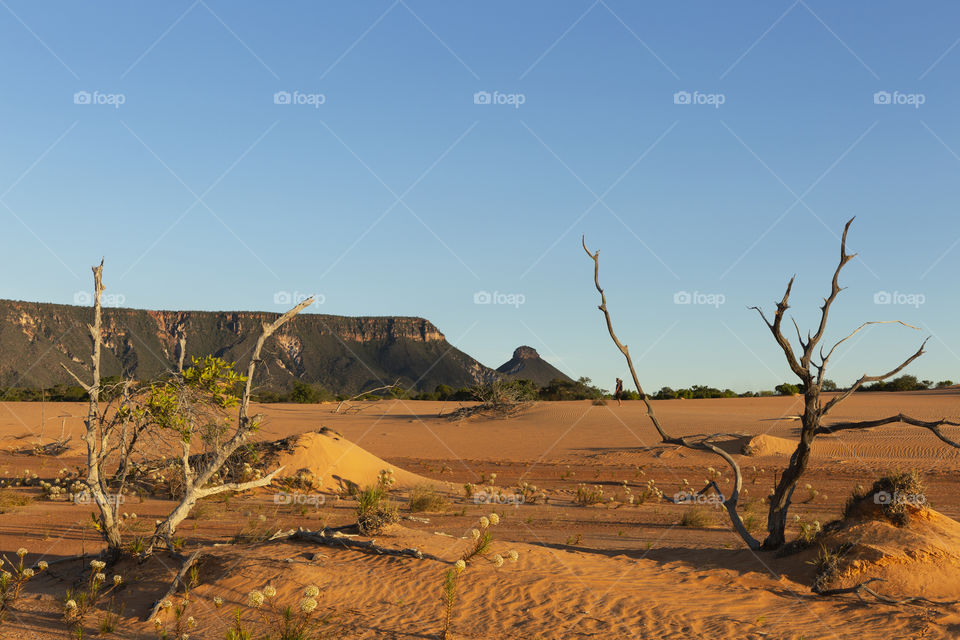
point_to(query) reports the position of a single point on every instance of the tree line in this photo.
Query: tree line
(557, 389)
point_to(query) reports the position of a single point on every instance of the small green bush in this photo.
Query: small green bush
(374, 512)
(426, 498)
(587, 496)
(695, 517)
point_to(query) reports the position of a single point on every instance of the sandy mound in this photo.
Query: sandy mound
(764, 445)
(325, 461)
(921, 558)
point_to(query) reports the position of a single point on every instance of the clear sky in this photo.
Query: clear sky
(220, 153)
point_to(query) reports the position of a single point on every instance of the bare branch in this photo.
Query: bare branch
(825, 359)
(622, 347)
(835, 289)
(238, 486)
(177, 580)
(363, 393)
(933, 426)
(865, 378)
(862, 586)
(268, 330)
(730, 504)
(782, 306)
(86, 387)
(703, 445)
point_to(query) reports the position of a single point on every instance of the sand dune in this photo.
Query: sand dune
(328, 462)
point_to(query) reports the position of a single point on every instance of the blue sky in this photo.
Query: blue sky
(389, 184)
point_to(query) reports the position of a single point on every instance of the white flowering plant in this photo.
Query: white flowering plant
(299, 622)
(77, 605)
(12, 580)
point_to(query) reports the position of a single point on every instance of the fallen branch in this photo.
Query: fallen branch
(933, 426)
(333, 538)
(862, 587)
(177, 580)
(363, 393)
(54, 448)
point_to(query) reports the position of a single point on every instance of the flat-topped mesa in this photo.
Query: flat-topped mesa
(343, 354)
(355, 329)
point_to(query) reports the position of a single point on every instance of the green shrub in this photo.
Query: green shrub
(374, 512)
(426, 498)
(695, 517)
(787, 389)
(896, 494)
(589, 495)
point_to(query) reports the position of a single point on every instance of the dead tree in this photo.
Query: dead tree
(204, 480)
(99, 432)
(703, 442)
(181, 347)
(812, 376)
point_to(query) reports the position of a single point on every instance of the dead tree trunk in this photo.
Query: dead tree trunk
(811, 375)
(197, 482)
(96, 434)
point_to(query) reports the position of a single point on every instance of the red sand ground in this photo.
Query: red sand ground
(614, 571)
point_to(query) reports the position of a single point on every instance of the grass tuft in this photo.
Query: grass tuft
(695, 517)
(426, 498)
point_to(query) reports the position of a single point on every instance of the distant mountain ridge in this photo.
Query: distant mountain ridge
(526, 364)
(343, 354)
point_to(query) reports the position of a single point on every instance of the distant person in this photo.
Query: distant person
(618, 394)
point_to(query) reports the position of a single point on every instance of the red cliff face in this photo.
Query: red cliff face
(339, 352)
